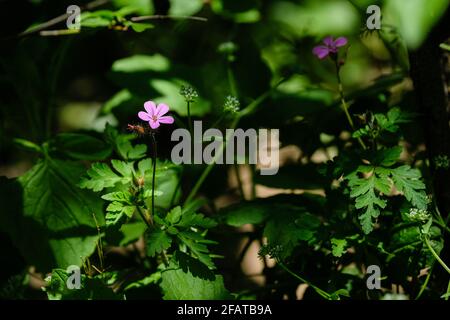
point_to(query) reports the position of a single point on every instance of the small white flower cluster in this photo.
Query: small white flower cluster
(188, 93)
(231, 104)
(421, 215)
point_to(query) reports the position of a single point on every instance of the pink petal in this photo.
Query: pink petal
(162, 109)
(166, 119)
(150, 107)
(340, 42)
(144, 116)
(329, 41)
(321, 52)
(153, 124)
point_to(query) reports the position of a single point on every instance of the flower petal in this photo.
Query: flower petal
(329, 41)
(166, 119)
(144, 116)
(153, 124)
(321, 52)
(150, 107)
(161, 109)
(340, 42)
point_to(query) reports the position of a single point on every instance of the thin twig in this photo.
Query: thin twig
(168, 17)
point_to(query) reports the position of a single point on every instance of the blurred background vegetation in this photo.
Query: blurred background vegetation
(52, 84)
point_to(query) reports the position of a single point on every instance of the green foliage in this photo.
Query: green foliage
(369, 185)
(339, 247)
(175, 281)
(46, 202)
(180, 224)
(157, 242)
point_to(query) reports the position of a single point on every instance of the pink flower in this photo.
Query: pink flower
(331, 47)
(155, 114)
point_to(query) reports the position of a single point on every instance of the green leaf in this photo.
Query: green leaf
(364, 192)
(177, 284)
(140, 7)
(246, 213)
(414, 18)
(101, 176)
(46, 203)
(120, 196)
(27, 145)
(174, 215)
(194, 242)
(407, 181)
(185, 8)
(81, 146)
(116, 100)
(339, 247)
(196, 220)
(142, 63)
(131, 232)
(387, 157)
(97, 19)
(289, 227)
(116, 211)
(157, 242)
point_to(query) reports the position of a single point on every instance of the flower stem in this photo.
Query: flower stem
(425, 284)
(189, 117)
(436, 256)
(321, 292)
(344, 102)
(148, 221)
(153, 173)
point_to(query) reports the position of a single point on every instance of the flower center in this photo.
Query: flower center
(154, 118)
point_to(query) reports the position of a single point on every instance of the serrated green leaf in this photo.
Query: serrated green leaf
(121, 196)
(196, 220)
(339, 247)
(157, 242)
(407, 181)
(363, 190)
(101, 176)
(174, 215)
(116, 211)
(200, 250)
